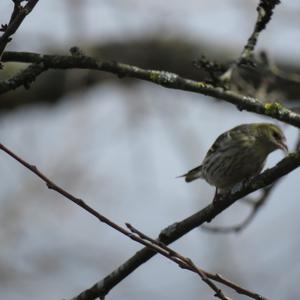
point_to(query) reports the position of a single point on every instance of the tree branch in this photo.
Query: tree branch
(181, 261)
(18, 15)
(264, 13)
(154, 246)
(166, 79)
(187, 263)
(172, 232)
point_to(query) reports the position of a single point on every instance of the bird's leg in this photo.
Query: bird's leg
(216, 196)
(248, 180)
(239, 186)
(219, 196)
(224, 193)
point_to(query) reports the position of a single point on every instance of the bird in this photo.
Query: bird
(237, 155)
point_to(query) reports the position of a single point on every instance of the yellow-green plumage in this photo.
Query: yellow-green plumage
(238, 154)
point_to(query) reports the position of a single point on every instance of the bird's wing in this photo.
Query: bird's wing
(239, 135)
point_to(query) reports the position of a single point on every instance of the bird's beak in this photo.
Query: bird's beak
(282, 145)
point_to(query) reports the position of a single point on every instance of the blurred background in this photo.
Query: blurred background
(119, 144)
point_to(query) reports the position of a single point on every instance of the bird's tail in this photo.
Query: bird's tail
(193, 174)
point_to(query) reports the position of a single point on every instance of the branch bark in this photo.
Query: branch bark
(42, 63)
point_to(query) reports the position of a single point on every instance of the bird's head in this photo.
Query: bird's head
(272, 137)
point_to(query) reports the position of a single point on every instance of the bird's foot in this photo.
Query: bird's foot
(239, 186)
(220, 196)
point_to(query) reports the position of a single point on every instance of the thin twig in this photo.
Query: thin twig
(18, 15)
(182, 261)
(187, 263)
(264, 14)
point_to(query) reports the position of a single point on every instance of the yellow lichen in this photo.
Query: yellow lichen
(273, 107)
(200, 84)
(155, 76)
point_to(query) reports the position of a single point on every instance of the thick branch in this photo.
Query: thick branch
(166, 79)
